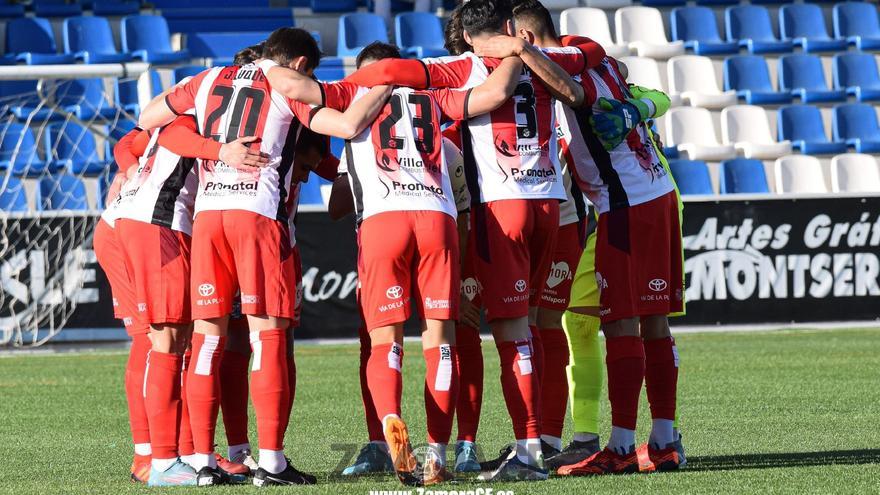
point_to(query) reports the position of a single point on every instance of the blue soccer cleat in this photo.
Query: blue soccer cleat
(466, 457)
(371, 459)
(178, 474)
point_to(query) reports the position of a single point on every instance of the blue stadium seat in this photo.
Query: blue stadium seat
(11, 10)
(126, 94)
(419, 35)
(115, 7)
(90, 39)
(357, 31)
(742, 175)
(330, 73)
(120, 128)
(18, 151)
(691, 176)
(802, 125)
(179, 73)
(858, 23)
(32, 41)
(856, 125)
(73, 147)
(321, 6)
(61, 192)
(56, 8)
(103, 185)
(146, 37)
(804, 24)
(84, 98)
(222, 46)
(663, 3)
(20, 98)
(310, 192)
(750, 25)
(717, 2)
(749, 76)
(12, 195)
(804, 76)
(696, 26)
(857, 73)
(211, 19)
(337, 146)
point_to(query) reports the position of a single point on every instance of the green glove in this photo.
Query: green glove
(617, 119)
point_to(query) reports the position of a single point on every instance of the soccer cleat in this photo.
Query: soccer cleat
(178, 474)
(548, 450)
(492, 465)
(466, 458)
(245, 457)
(140, 468)
(679, 447)
(665, 459)
(574, 453)
(209, 476)
(371, 459)
(433, 473)
(290, 476)
(512, 469)
(232, 468)
(400, 449)
(608, 462)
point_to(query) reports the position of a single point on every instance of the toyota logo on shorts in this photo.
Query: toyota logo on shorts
(206, 290)
(657, 285)
(520, 285)
(394, 292)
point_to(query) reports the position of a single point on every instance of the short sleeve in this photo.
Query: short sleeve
(183, 98)
(303, 111)
(449, 72)
(339, 95)
(452, 102)
(571, 59)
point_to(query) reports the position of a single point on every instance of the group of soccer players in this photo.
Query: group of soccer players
(469, 176)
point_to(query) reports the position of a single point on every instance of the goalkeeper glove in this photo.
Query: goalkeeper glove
(617, 119)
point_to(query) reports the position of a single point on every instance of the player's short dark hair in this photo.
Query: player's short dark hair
(485, 16)
(377, 51)
(535, 17)
(248, 55)
(288, 43)
(453, 35)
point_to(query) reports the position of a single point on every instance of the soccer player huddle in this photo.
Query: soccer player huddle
(470, 177)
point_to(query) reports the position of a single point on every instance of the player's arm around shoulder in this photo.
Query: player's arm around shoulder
(497, 89)
(357, 117)
(291, 83)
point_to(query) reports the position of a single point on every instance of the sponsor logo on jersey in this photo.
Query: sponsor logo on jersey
(206, 290)
(657, 285)
(211, 186)
(520, 285)
(416, 187)
(559, 272)
(436, 303)
(390, 306)
(601, 282)
(250, 299)
(394, 292)
(470, 288)
(142, 307)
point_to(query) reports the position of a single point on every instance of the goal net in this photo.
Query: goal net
(58, 125)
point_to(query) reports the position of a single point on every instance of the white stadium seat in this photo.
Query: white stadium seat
(693, 77)
(641, 28)
(746, 127)
(691, 130)
(855, 172)
(593, 23)
(799, 174)
(645, 72)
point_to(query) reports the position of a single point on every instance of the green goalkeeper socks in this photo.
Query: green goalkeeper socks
(585, 371)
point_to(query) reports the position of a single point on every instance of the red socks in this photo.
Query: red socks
(234, 396)
(537, 351)
(185, 435)
(135, 369)
(291, 379)
(203, 389)
(470, 371)
(162, 401)
(661, 376)
(384, 378)
(519, 383)
(374, 424)
(270, 390)
(625, 360)
(441, 391)
(554, 382)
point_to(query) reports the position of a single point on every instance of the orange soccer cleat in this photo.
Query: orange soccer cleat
(140, 468)
(608, 462)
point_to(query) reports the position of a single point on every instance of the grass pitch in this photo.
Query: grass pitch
(781, 412)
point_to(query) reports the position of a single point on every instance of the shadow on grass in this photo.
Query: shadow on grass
(788, 459)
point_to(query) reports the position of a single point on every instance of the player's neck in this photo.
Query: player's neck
(547, 42)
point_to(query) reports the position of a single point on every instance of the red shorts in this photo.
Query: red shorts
(158, 261)
(514, 241)
(238, 249)
(398, 248)
(557, 288)
(638, 260)
(110, 257)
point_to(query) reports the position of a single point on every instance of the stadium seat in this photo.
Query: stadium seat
(802, 125)
(321, 6)
(804, 76)
(221, 47)
(608, 4)
(20, 98)
(330, 73)
(641, 29)
(855, 172)
(31, 40)
(18, 151)
(856, 125)
(746, 127)
(593, 22)
(357, 31)
(73, 147)
(645, 72)
(11, 10)
(691, 131)
(741, 176)
(61, 192)
(799, 174)
(56, 8)
(103, 186)
(115, 7)
(146, 37)
(12, 195)
(126, 93)
(179, 73)
(90, 39)
(691, 176)
(750, 25)
(804, 24)
(310, 192)
(857, 74)
(120, 128)
(419, 35)
(696, 26)
(84, 98)
(749, 76)
(693, 77)
(858, 23)
(663, 3)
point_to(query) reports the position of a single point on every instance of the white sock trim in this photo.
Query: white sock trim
(143, 449)
(162, 465)
(272, 461)
(234, 450)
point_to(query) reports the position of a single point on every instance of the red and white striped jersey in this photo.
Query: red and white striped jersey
(233, 102)
(629, 174)
(162, 191)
